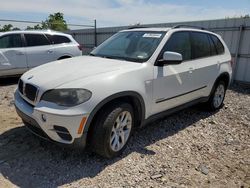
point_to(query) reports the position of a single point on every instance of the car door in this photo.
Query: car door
(38, 50)
(173, 84)
(206, 62)
(62, 46)
(12, 55)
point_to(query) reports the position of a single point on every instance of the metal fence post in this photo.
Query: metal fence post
(95, 33)
(237, 52)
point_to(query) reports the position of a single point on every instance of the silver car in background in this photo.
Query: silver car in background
(23, 50)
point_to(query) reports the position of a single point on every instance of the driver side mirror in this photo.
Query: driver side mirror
(170, 58)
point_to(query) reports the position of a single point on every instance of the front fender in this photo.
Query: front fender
(111, 98)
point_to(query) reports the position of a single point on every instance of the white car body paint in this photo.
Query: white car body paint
(16, 61)
(161, 88)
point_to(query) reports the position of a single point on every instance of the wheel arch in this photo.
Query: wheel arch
(134, 98)
(224, 77)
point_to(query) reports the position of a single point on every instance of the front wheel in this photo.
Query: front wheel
(112, 130)
(217, 97)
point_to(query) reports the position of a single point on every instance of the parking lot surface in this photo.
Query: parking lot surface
(192, 148)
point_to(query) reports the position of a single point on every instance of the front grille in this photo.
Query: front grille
(20, 86)
(30, 92)
(27, 90)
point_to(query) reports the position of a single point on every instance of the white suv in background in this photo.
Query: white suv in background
(23, 50)
(132, 78)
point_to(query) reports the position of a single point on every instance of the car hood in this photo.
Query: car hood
(54, 74)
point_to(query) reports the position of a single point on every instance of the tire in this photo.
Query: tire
(217, 96)
(109, 138)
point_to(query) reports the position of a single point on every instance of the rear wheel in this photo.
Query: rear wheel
(217, 97)
(112, 130)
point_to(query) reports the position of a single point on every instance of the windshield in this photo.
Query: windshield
(137, 46)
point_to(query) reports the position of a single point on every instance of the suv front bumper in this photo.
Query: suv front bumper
(55, 127)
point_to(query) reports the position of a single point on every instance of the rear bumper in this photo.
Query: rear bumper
(57, 128)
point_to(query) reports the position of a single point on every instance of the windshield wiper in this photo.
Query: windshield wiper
(103, 56)
(115, 57)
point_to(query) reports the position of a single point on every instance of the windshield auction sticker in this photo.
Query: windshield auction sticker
(152, 35)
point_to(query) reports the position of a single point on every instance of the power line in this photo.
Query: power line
(36, 22)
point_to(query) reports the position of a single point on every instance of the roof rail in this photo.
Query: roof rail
(188, 26)
(137, 27)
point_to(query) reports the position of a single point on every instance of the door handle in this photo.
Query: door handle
(50, 51)
(19, 53)
(190, 70)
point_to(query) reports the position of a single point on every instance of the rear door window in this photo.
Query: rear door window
(213, 50)
(36, 40)
(58, 39)
(179, 42)
(219, 46)
(11, 41)
(200, 45)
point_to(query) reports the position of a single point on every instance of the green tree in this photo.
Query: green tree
(7, 27)
(54, 22)
(16, 29)
(36, 27)
(242, 16)
(246, 16)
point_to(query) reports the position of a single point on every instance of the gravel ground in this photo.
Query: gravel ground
(191, 148)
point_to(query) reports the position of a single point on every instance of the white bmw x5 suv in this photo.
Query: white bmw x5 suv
(23, 50)
(131, 78)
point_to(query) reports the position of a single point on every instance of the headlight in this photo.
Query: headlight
(67, 97)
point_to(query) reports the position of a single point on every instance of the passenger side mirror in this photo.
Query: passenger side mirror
(170, 58)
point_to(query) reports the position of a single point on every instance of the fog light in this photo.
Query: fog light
(44, 118)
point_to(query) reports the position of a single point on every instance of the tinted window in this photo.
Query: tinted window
(36, 40)
(57, 39)
(219, 46)
(200, 45)
(179, 42)
(11, 41)
(213, 50)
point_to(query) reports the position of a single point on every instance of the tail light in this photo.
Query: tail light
(80, 47)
